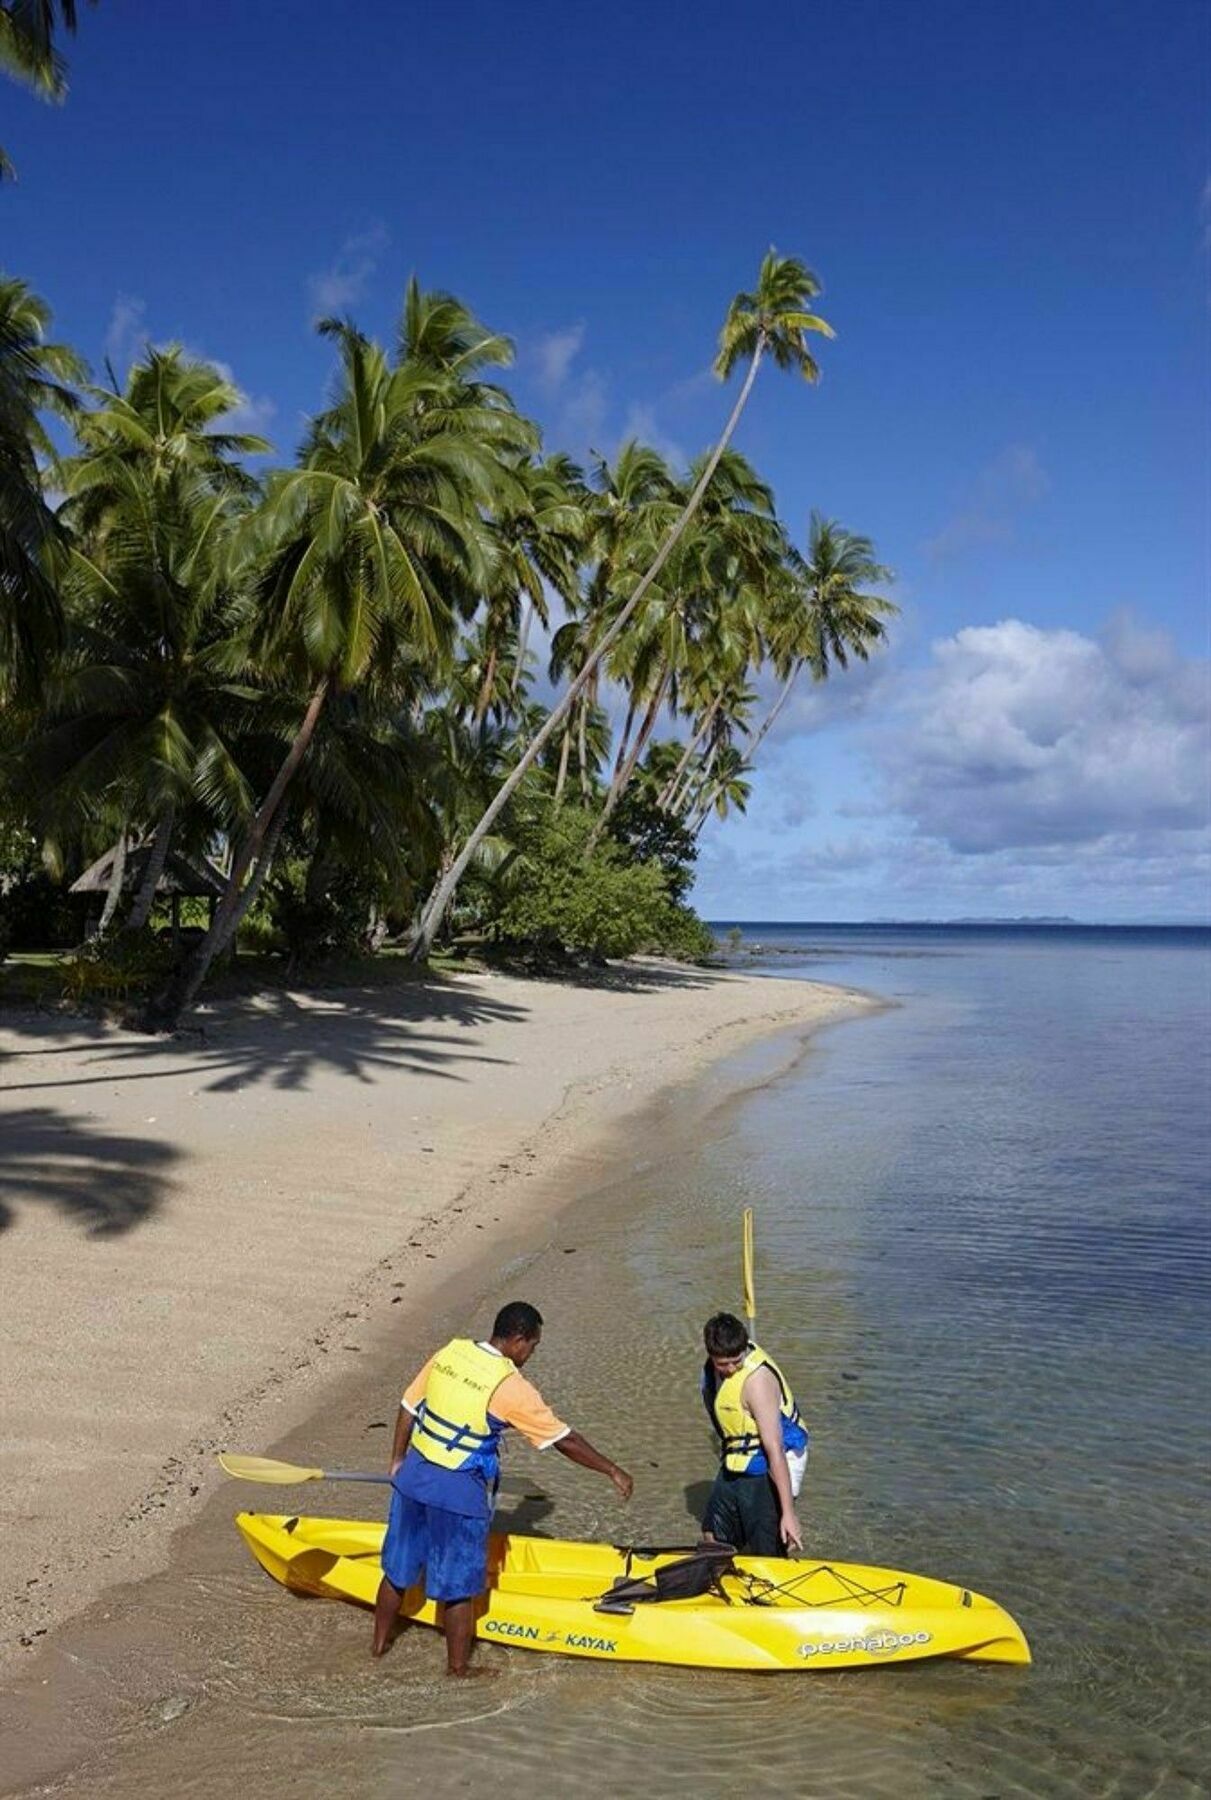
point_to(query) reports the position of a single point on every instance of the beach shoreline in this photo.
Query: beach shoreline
(112, 1447)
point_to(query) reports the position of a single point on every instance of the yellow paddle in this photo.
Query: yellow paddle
(284, 1474)
(746, 1257)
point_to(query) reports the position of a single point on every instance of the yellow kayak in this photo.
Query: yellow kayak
(597, 1601)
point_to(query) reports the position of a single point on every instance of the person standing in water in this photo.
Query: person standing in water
(763, 1443)
(445, 1465)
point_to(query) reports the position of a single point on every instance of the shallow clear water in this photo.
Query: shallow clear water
(984, 1257)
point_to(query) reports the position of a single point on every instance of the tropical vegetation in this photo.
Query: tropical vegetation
(431, 681)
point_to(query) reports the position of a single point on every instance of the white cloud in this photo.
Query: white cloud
(255, 413)
(579, 398)
(988, 515)
(335, 289)
(554, 355)
(126, 333)
(1020, 737)
(580, 423)
(641, 422)
(1023, 771)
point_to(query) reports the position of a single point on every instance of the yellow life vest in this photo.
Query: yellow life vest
(452, 1427)
(739, 1438)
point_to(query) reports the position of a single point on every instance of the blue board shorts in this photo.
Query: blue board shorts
(451, 1550)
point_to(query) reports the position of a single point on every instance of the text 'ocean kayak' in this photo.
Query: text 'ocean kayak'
(593, 1600)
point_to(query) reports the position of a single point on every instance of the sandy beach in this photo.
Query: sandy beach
(200, 1233)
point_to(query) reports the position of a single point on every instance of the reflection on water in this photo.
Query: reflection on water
(983, 1258)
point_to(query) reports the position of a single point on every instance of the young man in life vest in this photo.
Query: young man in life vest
(762, 1444)
(445, 1464)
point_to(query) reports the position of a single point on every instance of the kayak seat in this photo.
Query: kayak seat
(689, 1578)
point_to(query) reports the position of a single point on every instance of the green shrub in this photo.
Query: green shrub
(118, 966)
(565, 897)
(316, 928)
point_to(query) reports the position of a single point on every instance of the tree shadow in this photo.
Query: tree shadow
(283, 1039)
(637, 976)
(104, 1181)
(284, 1036)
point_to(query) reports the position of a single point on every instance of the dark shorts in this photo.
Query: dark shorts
(451, 1551)
(743, 1510)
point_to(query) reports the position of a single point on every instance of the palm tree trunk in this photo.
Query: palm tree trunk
(158, 856)
(582, 746)
(117, 878)
(181, 988)
(565, 750)
(485, 688)
(664, 799)
(625, 739)
(700, 780)
(555, 718)
(523, 639)
(251, 892)
(621, 780)
(756, 741)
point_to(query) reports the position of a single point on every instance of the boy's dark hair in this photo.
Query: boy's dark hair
(517, 1320)
(724, 1335)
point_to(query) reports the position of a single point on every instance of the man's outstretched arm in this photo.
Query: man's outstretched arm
(578, 1449)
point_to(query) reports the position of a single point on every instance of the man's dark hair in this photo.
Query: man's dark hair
(517, 1320)
(724, 1335)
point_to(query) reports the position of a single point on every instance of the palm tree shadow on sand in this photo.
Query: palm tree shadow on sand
(282, 1039)
(103, 1180)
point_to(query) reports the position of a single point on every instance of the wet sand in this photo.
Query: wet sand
(210, 1241)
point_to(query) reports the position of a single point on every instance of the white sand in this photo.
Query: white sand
(200, 1230)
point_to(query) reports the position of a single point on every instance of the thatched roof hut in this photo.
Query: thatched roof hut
(182, 875)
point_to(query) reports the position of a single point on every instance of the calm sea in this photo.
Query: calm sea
(984, 1258)
(984, 1254)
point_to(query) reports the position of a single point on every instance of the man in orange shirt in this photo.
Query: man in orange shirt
(445, 1465)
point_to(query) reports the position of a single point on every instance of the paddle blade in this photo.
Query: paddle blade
(264, 1468)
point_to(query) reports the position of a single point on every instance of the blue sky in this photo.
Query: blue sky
(1010, 210)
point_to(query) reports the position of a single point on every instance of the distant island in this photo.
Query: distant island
(994, 919)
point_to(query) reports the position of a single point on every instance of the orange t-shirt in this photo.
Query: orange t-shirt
(515, 1402)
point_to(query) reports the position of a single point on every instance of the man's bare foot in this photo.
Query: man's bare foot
(481, 1670)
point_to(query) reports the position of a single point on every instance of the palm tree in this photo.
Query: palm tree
(728, 792)
(369, 550)
(826, 616)
(166, 419)
(536, 540)
(773, 319)
(27, 49)
(705, 588)
(142, 713)
(35, 377)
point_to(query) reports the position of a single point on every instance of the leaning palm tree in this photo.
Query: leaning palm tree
(775, 320)
(35, 377)
(28, 52)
